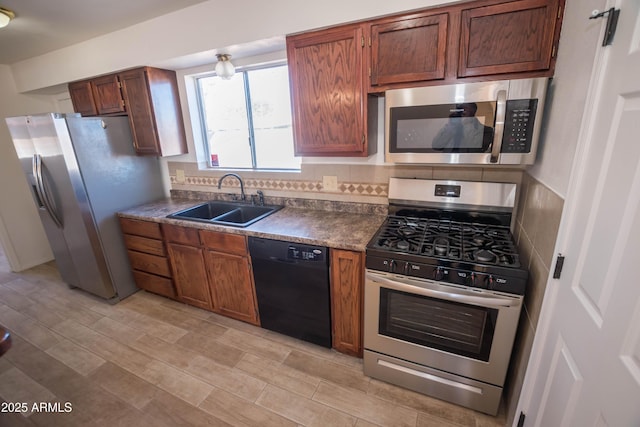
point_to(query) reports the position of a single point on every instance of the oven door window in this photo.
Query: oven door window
(463, 329)
(446, 128)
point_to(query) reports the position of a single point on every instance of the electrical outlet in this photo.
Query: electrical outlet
(180, 176)
(330, 183)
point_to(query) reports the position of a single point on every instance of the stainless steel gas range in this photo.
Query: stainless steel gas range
(444, 289)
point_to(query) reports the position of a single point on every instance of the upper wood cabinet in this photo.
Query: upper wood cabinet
(483, 39)
(333, 71)
(329, 96)
(149, 96)
(82, 98)
(508, 37)
(409, 49)
(107, 95)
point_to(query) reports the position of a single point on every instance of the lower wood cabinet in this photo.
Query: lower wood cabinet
(230, 277)
(190, 275)
(187, 265)
(148, 257)
(212, 270)
(231, 286)
(347, 292)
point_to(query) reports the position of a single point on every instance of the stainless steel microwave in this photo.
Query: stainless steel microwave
(483, 123)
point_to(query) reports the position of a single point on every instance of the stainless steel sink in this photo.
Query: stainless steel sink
(225, 213)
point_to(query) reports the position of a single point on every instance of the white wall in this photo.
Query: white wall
(21, 232)
(566, 102)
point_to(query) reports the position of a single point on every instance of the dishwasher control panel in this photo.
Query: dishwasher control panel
(306, 253)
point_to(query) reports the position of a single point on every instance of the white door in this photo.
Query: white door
(585, 364)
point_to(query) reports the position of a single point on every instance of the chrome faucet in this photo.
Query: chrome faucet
(258, 198)
(243, 197)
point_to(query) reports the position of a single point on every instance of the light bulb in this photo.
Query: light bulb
(5, 17)
(224, 67)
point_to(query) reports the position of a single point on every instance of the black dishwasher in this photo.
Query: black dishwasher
(292, 287)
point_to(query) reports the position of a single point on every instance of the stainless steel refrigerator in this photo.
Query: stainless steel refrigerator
(81, 172)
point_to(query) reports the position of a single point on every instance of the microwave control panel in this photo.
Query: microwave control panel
(518, 125)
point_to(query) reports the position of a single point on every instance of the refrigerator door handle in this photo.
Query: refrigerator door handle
(42, 194)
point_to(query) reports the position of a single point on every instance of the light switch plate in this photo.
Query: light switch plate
(330, 183)
(180, 176)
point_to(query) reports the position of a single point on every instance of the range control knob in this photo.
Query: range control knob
(489, 281)
(472, 281)
(438, 273)
(404, 269)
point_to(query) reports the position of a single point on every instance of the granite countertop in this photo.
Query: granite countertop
(341, 230)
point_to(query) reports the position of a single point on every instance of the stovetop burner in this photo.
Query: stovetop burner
(452, 240)
(454, 232)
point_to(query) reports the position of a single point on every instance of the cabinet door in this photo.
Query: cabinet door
(508, 37)
(107, 95)
(189, 275)
(409, 50)
(232, 289)
(326, 73)
(82, 98)
(137, 97)
(347, 286)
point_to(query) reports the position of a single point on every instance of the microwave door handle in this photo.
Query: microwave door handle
(501, 111)
(450, 296)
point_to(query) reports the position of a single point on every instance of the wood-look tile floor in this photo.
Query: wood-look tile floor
(150, 361)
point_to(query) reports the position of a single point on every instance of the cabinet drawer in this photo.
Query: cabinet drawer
(183, 235)
(156, 284)
(141, 228)
(150, 263)
(224, 242)
(144, 244)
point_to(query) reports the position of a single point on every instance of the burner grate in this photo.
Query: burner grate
(445, 239)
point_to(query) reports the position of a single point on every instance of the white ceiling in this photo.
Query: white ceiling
(41, 26)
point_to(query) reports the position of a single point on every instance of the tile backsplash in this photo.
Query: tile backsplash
(536, 228)
(355, 183)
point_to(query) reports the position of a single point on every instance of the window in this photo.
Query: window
(247, 119)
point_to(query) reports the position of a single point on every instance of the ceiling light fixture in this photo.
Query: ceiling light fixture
(5, 16)
(224, 67)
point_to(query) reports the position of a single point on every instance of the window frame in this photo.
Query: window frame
(203, 119)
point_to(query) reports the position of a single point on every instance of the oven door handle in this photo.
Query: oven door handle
(451, 296)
